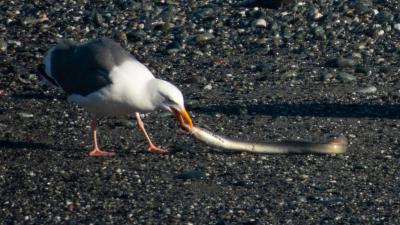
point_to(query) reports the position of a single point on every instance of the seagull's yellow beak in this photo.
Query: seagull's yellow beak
(184, 118)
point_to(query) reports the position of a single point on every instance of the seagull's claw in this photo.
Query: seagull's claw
(155, 149)
(96, 152)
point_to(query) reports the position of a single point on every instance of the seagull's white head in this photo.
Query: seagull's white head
(170, 98)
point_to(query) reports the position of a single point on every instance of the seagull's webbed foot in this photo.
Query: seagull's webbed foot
(155, 149)
(96, 152)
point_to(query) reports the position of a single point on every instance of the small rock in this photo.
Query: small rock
(380, 60)
(301, 199)
(29, 20)
(192, 80)
(362, 7)
(352, 136)
(173, 48)
(359, 166)
(327, 77)
(23, 80)
(319, 33)
(98, 19)
(290, 74)
(260, 23)
(32, 77)
(121, 36)
(397, 26)
(341, 62)
(385, 17)
(368, 90)
(3, 45)
(304, 177)
(204, 38)
(25, 115)
(119, 171)
(207, 87)
(136, 35)
(204, 13)
(317, 15)
(168, 14)
(345, 77)
(356, 55)
(15, 43)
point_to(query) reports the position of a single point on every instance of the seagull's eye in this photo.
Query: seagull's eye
(168, 99)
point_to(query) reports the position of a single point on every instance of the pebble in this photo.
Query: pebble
(3, 45)
(173, 48)
(362, 7)
(204, 38)
(122, 37)
(137, 35)
(317, 15)
(301, 199)
(384, 17)
(98, 19)
(260, 23)
(327, 77)
(397, 26)
(368, 90)
(345, 77)
(192, 80)
(29, 21)
(208, 87)
(341, 62)
(15, 42)
(25, 115)
(204, 13)
(319, 33)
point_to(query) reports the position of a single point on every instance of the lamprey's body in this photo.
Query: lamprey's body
(335, 146)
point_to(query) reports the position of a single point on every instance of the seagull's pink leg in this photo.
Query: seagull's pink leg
(152, 147)
(96, 151)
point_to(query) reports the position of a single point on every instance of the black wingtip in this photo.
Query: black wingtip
(42, 72)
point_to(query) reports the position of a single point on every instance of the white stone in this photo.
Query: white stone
(261, 23)
(397, 26)
(207, 87)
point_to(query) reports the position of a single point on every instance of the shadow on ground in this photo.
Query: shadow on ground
(23, 145)
(311, 109)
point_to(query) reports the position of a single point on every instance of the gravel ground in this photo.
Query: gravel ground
(254, 70)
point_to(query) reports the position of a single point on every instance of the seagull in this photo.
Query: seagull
(107, 80)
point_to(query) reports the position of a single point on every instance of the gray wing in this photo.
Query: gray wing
(83, 69)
